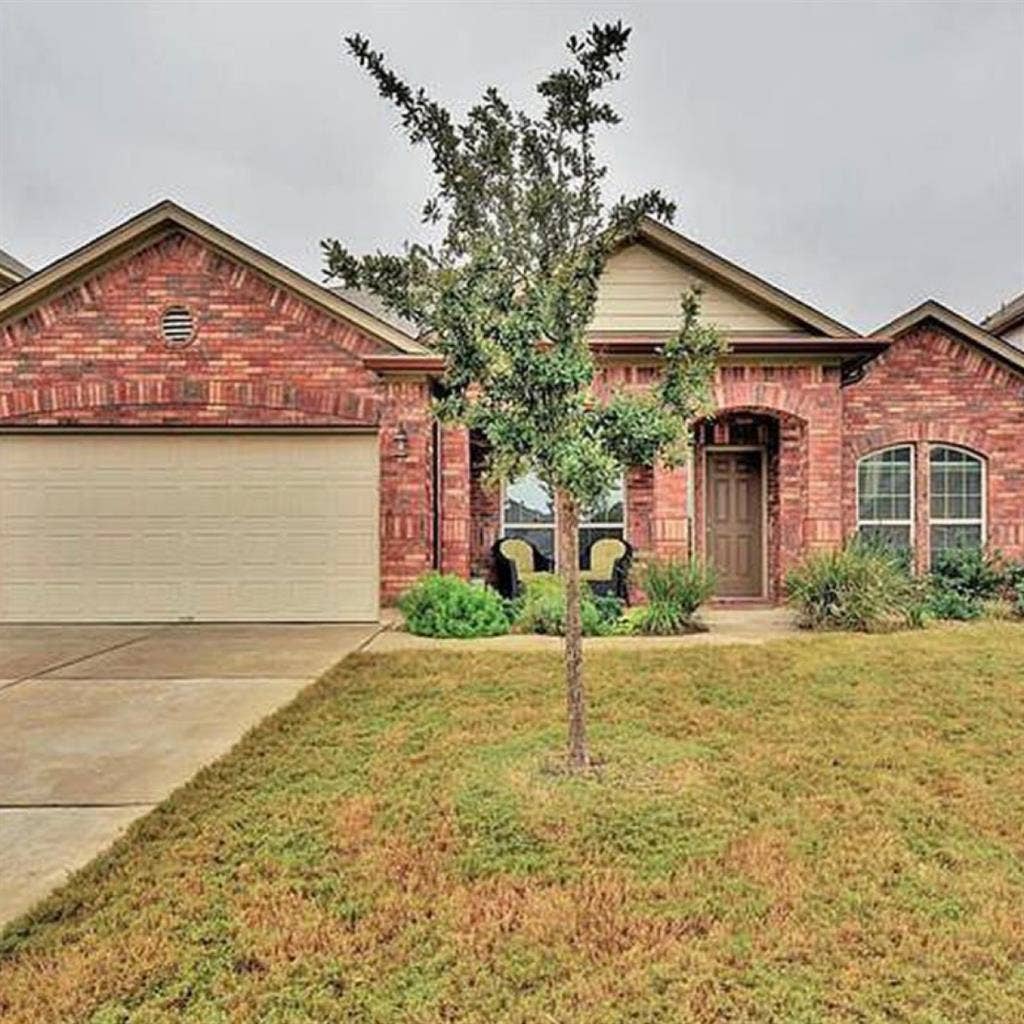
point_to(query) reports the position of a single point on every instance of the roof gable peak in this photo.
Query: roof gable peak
(139, 229)
(677, 245)
(934, 311)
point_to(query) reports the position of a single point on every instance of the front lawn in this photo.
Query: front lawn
(824, 829)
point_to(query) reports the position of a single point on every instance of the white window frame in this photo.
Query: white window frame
(911, 521)
(554, 524)
(982, 522)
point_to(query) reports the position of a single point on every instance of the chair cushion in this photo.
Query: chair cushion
(527, 576)
(520, 552)
(604, 553)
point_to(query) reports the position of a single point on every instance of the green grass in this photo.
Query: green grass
(825, 829)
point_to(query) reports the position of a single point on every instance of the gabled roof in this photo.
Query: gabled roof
(139, 230)
(688, 251)
(373, 305)
(11, 270)
(1010, 314)
(933, 311)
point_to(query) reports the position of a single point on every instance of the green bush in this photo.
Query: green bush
(674, 591)
(962, 580)
(862, 586)
(1015, 587)
(949, 604)
(542, 609)
(970, 572)
(448, 606)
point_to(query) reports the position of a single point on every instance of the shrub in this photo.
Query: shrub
(970, 572)
(448, 606)
(1015, 587)
(861, 587)
(949, 604)
(961, 581)
(542, 609)
(674, 591)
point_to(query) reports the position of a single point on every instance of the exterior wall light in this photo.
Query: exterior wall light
(401, 442)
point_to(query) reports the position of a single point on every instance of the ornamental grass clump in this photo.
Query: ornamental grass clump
(674, 591)
(861, 587)
(448, 606)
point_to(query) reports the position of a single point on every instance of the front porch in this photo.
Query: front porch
(739, 501)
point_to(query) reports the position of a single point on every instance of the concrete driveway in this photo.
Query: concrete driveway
(100, 723)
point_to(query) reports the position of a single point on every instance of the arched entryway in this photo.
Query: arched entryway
(751, 498)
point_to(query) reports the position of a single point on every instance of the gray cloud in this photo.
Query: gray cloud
(861, 156)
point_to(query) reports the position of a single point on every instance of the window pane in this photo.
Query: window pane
(589, 534)
(542, 539)
(955, 484)
(895, 537)
(960, 535)
(527, 500)
(883, 485)
(609, 509)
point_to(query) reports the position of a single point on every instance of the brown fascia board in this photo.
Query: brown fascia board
(1007, 316)
(649, 347)
(138, 231)
(935, 312)
(794, 344)
(425, 363)
(672, 243)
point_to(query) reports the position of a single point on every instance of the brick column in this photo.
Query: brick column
(792, 498)
(455, 501)
(823, 525)
(640, 509)
(922, 499)
(406, 511)
(669, 528)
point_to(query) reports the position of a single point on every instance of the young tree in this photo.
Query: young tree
(507, 293)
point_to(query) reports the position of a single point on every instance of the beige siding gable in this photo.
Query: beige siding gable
(639, 293)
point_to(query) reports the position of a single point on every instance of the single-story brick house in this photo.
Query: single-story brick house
(189, 430)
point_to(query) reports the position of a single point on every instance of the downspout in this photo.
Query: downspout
(435, 490)
(691, 500)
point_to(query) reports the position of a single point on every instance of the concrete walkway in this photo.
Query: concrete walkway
(742, 625)
(100, 723)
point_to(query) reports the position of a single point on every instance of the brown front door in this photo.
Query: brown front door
(735, 521)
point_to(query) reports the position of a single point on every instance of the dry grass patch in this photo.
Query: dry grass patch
(824, 830)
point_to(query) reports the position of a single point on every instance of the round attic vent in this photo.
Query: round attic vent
(178, 326)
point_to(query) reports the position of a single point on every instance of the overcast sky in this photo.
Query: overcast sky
(863, 157)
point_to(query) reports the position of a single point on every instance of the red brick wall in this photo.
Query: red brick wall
(93, 355)
(805, 466)
(931, 387)
(406, 485)
(484, 511)
(455, 501)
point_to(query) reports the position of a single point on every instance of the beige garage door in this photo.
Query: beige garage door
(169, 527)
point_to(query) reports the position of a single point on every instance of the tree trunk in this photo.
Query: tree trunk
(569, 563)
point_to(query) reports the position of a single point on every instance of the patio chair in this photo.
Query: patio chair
(610, 561)
(515, 562)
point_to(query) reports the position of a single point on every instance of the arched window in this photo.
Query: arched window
(885, 497)
(956, 499)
